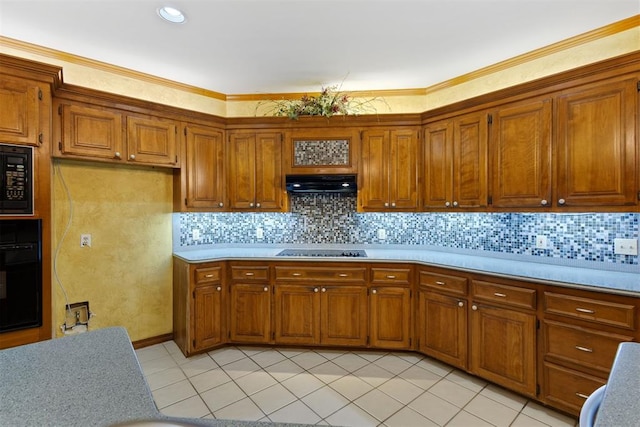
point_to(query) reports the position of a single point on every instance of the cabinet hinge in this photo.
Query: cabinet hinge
(537, 323)
(176, 158)
(193, 343)
(490, 119)
(185, 131)
(638, 195)
(40, 94)
(537, 389)
(185, 201)
(193, 294)
(40, 138)
(60, 146)
(489, 200)
(638, 84)
(59, 110)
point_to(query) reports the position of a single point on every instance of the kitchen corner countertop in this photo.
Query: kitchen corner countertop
(89, 379)
(620, 405)
(626, 283)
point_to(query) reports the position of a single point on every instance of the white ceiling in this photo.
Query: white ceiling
(280, 46)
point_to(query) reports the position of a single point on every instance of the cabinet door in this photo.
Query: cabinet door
(442, 326)
(374, 194)
(390, 317)
(521, 155)
(19, 111)
(503, 347)
(241, 179)
(344, 315)
(207, 317)
(470, 136)
(437, 153)
(596, 157)
(91, 132)
(269, 186)
(250, 308)
(152, 141)
(297, 314)
(204, 168)
(403, 170)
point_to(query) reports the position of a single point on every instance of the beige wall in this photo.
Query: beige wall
(126, 274)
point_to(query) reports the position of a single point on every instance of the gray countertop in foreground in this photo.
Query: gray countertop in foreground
(590, 278)
(90, 379)
(621, 402)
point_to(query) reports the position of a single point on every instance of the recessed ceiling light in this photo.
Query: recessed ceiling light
(171, 14)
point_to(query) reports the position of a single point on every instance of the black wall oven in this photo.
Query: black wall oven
(20, 274)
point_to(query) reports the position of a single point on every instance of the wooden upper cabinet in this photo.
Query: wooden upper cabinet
(20, 104)
(203, 170)
(152, 140)
(455, 163)
(389, 170)
(93, 132)
(99, 133)
(254, 178)
(596, 145)
(520, 149)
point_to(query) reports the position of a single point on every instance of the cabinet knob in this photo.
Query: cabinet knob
(561, 202)
(386, 204)
(219, 288)
(375, 291)
(132, 157)
(393, 204)
(117, 155)
(257, 205)
(474, 307)
(266, 289)
(447, 204)
(221, 204)
(543, 202)
(251, 204)
(315, 290)
(455, 204)
(324, 289)
(460, 304)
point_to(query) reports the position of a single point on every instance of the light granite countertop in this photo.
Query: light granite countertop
(621, 282)
(90, 379)
(620, 405)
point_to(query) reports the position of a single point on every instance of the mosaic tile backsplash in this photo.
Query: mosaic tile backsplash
(332, 219)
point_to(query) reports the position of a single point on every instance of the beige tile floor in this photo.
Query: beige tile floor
(327, 387)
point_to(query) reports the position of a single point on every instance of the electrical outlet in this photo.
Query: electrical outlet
(195, 234)
(625, 246)
(76, 314)
(85, 240)
(382, 233)
(259, 233)
(541, 242)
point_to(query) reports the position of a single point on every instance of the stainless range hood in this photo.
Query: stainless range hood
(321, 183)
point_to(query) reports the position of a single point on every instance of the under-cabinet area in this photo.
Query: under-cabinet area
(554, 344)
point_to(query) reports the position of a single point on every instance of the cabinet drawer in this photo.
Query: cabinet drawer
(208, 275)
(396, 276)
(250, 273)
(445, 283)
(590, 348)
(504, 294)
(593, 310)
(333, 274)
(567, 388)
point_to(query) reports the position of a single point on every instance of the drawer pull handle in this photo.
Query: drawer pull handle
(582, 395)
(441, 283)
(296, 274)
(585, 349)
(343, 275)
(208, 276)
(248, 274)
(391, 277)
(585, 310)
(498, 294)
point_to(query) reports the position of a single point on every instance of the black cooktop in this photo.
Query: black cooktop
(352, 253)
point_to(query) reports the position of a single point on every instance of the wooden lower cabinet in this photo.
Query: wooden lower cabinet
(344, 315)
(250, 313)
(297, 314)
(199, 297)
(442, 321)
(390, 317)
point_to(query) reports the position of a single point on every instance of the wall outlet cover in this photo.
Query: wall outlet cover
(541, 242)
(625, 246)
